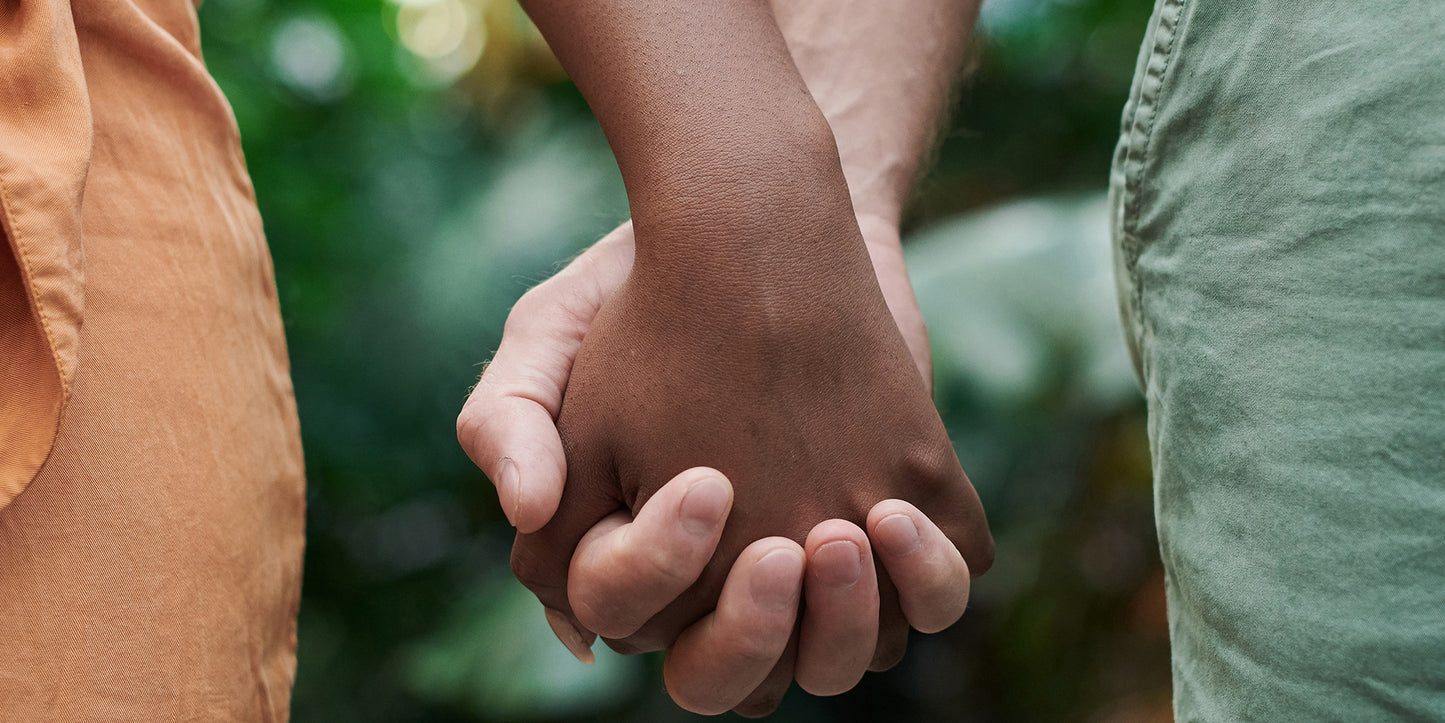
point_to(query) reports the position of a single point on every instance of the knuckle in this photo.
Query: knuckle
(553, 310)
(757, 648)
(478, 427)
(928, 465)
(670, 567)
(531, 303)
(469, 423)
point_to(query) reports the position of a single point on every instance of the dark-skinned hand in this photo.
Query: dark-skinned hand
(794, 382)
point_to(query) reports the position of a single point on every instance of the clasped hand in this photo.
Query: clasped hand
(746, 469)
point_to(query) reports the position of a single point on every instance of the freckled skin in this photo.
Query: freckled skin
(752, 335)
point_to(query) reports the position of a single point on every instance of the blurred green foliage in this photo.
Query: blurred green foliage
(420, 165)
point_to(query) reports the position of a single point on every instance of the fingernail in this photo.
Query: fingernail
(704, 505)
(896, 534)
(776, 579)
(509, 489)
(838, 564)
(569, 635)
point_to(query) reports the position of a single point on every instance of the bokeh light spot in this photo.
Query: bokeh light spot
(310, 55)
(448, 34)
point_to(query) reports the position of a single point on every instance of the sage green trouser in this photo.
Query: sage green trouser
(1278, 201)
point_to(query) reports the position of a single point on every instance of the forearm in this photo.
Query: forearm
(881, 72)
(703, 107)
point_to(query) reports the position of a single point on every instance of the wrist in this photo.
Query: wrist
(880, 222)
(880, 175)
(724, 168)
(747, 201)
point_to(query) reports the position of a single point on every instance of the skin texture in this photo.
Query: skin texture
(881, 73)
(802, 393)
(503, 425)
(543, 334)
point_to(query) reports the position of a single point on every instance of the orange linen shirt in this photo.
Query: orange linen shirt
(151, 485)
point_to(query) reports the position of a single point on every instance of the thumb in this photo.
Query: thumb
(507, 426)
(514, 441)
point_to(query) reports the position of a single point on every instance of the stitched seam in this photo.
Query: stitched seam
(1152, 90)
(23, 261)
(1137, 158)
